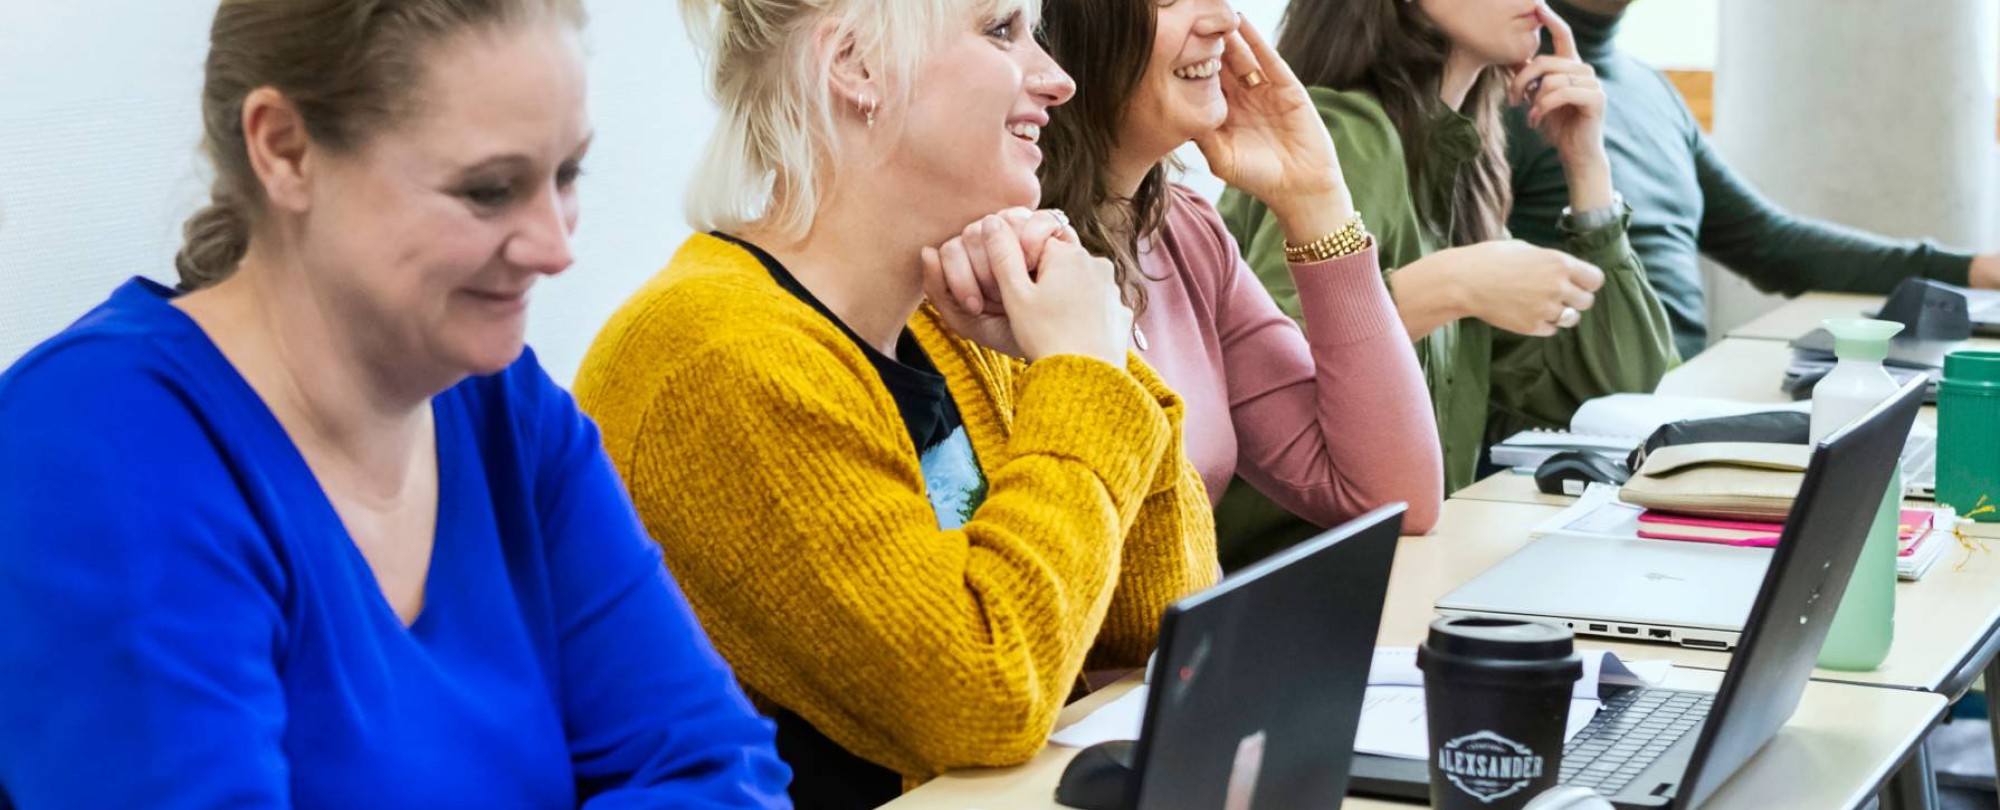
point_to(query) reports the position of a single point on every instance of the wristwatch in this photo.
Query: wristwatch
(1594, 218)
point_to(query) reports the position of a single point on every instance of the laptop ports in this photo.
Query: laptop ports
(1658, 633)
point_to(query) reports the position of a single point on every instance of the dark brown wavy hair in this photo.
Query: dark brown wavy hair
(1391, 50)
(1105, 46)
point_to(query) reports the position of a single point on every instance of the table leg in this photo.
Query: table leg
(1993, 707)
(1914, 785)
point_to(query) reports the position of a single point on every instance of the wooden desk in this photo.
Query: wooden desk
(1804, 314)
(1736, 368)
(1839, 748)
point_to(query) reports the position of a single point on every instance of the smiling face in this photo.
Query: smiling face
(430, 234)
(975, 116)
(1180, 96)
(1491, 32)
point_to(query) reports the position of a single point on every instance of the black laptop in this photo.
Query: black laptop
(1650, 748)
(1258, 683)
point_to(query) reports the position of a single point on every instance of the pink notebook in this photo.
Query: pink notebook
(1656, 525)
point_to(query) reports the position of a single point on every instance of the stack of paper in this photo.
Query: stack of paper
(1923, 545)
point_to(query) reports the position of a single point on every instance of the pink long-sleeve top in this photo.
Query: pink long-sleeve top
(1329, 422)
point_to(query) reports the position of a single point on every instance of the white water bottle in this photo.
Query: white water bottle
(1864, 625)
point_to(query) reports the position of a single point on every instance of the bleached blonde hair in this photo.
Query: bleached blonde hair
(766, 163)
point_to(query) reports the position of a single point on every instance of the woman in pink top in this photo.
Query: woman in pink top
(1327, 423)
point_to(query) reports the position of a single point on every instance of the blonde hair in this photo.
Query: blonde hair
(767, 162)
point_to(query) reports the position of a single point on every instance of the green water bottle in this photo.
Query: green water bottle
(1968, 453)
(1865, 623)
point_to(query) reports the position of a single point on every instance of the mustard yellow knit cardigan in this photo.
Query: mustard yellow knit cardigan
(769, 461)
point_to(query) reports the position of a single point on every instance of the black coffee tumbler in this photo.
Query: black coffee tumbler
(1497, 692)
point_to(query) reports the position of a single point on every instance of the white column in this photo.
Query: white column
(1872, 114)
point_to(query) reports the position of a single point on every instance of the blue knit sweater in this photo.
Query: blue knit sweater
(185, 623)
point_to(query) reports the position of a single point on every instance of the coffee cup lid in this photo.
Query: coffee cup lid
(1500, 639)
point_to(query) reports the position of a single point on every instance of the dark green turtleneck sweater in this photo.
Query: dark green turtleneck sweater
(1686, 201)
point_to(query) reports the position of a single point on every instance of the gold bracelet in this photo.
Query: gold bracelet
(1352, 238)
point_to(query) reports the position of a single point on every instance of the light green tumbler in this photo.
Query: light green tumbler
(1968, 453)
(1865, 623)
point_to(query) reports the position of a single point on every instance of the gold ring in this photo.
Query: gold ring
(1254, 78)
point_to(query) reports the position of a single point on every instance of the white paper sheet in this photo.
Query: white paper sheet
(1394, 706)
(1118, 720)
(1597, 512)
(1393, 723)
(1397, 666)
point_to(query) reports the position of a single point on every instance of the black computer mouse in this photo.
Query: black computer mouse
(1568, 472)
(1099, 778)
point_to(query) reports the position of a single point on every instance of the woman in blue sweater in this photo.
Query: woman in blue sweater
(316, 531)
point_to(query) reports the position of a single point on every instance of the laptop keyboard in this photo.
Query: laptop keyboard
(1633, 729)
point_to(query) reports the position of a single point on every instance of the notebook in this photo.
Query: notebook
(1615, 425)
(1919, 539)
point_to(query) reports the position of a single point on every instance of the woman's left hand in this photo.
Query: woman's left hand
(1564, 97)
(1273, 145)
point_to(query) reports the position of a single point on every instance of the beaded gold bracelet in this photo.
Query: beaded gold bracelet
(1352, 238)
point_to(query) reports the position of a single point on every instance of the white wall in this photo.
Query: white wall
(99, 129)
(98, 164)
(1672, 34)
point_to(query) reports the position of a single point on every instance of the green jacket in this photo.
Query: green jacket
(1687, 202)
(1484, 382)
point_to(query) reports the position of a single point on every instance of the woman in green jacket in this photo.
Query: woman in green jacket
(1509, 335)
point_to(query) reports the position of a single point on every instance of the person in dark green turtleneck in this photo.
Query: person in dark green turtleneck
(1686, 202)
(1509, 335)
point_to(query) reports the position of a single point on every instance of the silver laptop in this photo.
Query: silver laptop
(1694, 594)
(1920, 466)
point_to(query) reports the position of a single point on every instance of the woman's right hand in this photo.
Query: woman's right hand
(1273, 145)
(1507, 283)
(1071, 303)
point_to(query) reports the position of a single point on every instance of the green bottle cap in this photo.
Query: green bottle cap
(1972, 368)
(1861, 339)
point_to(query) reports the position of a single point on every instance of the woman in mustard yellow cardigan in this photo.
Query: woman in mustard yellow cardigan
(909, 528)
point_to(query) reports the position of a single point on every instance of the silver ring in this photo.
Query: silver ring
(1062, 220)
(1568, 318)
